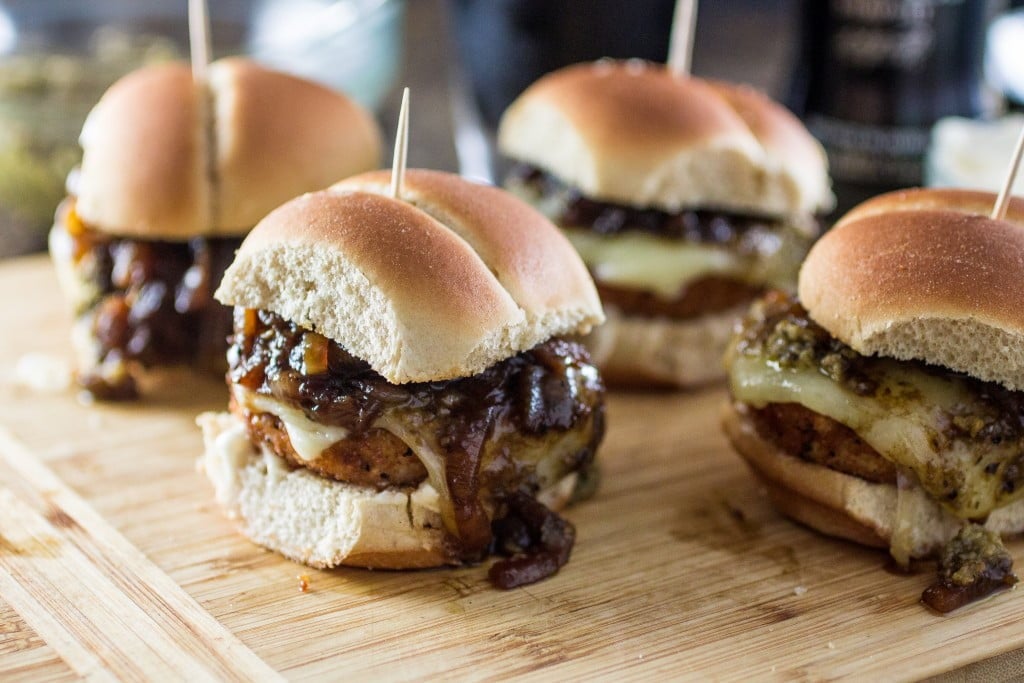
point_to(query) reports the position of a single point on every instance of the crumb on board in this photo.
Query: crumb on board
(799, 590)
(303, 583)
(43, 373)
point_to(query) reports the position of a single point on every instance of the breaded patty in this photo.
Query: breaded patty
(815, 438)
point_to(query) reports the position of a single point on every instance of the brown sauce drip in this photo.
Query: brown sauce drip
(478, 422)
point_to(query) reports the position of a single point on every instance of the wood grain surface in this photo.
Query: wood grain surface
(115, 562)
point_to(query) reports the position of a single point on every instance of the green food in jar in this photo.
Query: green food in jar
(44, 99)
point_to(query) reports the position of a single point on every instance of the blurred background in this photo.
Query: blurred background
(871, 78)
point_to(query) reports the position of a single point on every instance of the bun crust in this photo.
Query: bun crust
(166, 159)
(969, 202)
(920, 275)
(144, 167)
(633, 133)
(279, 136)
(417, 299)
(323, 522)
(634, 351)
(842, 505)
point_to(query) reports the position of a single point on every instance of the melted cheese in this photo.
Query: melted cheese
(430, 455)
(309, 439)
(659, 265)
(664, 266)
(228, 450)
(906, 421)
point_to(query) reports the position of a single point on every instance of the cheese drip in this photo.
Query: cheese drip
(309, 439)
(907, 421)
(425, 448)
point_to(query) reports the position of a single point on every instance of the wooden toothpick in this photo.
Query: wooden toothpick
(401, 147)
(1003, 201)
(199, 38)
(680, 46)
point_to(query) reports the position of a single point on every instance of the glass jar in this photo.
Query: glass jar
(57, 57)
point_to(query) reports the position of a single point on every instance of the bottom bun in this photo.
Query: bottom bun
(638, 351)
(845, 506)
(323, 522)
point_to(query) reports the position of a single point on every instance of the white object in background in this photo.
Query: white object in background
(8, 33)
(1004, 55)
(973, 154)
(354, 46)
(43, 373)
(1003, 201)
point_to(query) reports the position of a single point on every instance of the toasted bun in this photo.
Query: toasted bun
(842, 505)
(166, 159)
(921, 275)
(442, 284)
(630, 132)
(279, 136)
(145, 151)
(635, 351)
(322, 522)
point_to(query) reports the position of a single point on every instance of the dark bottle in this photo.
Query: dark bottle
(879, 73)
(506, 45)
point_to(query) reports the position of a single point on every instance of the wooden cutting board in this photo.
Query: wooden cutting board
(114, 562)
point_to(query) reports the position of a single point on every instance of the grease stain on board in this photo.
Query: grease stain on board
(30, 547)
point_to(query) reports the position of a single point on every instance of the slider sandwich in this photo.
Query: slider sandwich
(173, 175)
(886, 405)
(402, 391)
(686, 199)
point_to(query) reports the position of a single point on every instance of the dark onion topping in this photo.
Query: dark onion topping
(742, 232)
(536, 542)
(154, 306)
(550, 389)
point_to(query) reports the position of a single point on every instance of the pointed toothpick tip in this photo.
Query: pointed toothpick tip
(1003, 201)
(401, 147)
(199, 38)
(680, 47)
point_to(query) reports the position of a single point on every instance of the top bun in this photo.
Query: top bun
(144, 163)
(165, 159)
(441, 284)
(925, 275)
(633, 133)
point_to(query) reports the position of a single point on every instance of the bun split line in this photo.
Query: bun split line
(404, 387)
